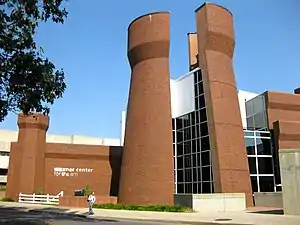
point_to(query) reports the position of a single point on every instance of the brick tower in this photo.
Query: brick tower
(147, 164)
(216, 44)
(26, 170)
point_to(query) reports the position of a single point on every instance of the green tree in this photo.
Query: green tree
(29, 82)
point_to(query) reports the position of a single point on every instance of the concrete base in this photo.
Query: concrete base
(290, 180)
(221, 202)
(81, 201)
(268, 199)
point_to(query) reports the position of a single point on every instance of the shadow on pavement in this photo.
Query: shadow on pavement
(24, 216)
(270, 212)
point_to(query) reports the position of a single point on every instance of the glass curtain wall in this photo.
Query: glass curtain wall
(260, 159)
(192, 160)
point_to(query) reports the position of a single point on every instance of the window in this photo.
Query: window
(263, 146)
(252, 165)
(250, 145)
(265, 165)
(266, 183)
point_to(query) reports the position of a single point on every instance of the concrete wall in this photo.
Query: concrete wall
(268, 199)
(290, 180)
(221, 202)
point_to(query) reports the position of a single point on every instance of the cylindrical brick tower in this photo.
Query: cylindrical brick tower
(147, 175)
(216, 44)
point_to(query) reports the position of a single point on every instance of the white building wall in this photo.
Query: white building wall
(182, 95)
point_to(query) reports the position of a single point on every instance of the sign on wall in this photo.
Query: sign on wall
(70, 172)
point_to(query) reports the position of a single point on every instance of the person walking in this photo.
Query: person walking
(91, 201)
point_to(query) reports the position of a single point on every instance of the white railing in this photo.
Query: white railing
(40, 199)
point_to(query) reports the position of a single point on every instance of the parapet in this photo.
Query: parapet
(215, 28)
(33, 121)
(149, 37)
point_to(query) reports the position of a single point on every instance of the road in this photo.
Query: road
(14, 216)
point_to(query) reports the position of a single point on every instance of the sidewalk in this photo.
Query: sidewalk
(236, 218)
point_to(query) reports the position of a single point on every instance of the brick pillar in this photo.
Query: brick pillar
(193, 50)
(147, 163)
(216, 47)
(32, 143)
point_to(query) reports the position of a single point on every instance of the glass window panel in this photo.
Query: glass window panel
(195, 178)
(196, 90)
(194, 160)
(263, 146)
(188, 175)
(201, 101)
(198, 159)
(194, 146)
(174, 150)
(266, 184)
(199, 188)
(262, 134)
(187, 133)
(193, 118)
(205, 173)
(174, 137)
(205, 158)
(259, 120)
(195, 77)
(197, 117)
(252, 165)
(200, 88)
(197, 103)
(249, 133)
(206, 187)
(187, 161)
(179, 136)
(203, 116)
(198, 144)
(250, 123)
(187, 147)
(199, 75)
(249, 108)
(188, 188)
(258, 104)
(265, 165)
(203, 129)
(193, 132)
(205, 143)
(180, 188)
(180, 149)
(250, 146)
(179, 176)
(197, 129)
(173, 124)
(179, 162)
(254, 184)
(195, 188)
(179, 124)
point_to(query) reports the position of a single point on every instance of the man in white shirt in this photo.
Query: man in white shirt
(91, 201)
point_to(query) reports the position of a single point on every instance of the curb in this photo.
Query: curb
(70, 214)
(176, 222)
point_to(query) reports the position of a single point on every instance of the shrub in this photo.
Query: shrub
(154, 208)
(40, 191)
(87, 190)
(7, 200)
(2, 188)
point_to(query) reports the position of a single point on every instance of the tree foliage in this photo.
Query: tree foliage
(29, 82)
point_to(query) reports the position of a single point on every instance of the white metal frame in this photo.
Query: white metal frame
(40, 199)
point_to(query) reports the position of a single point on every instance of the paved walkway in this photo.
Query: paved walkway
(246, 217)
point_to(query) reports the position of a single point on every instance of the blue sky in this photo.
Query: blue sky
(91, 47)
